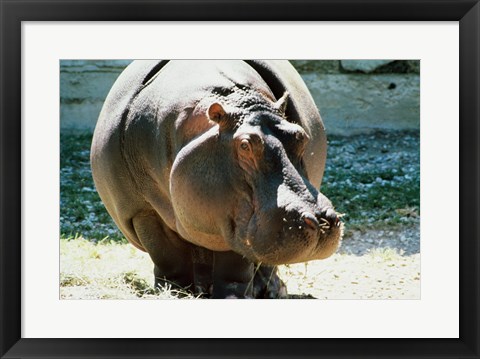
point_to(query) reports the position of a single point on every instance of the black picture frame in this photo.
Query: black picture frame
(467, 12)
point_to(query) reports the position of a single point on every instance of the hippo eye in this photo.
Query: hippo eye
(245, 145)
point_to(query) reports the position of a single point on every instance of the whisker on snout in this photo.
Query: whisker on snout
(325, 224)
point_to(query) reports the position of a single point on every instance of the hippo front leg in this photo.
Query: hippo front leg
(267, 284)
(232, 276)
(170, 254)
(202, 270)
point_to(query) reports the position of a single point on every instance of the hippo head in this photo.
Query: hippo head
(259, 202)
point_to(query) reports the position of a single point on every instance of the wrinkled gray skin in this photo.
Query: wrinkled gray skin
(212, 167)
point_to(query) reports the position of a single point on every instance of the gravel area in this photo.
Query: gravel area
(375, 179)
(392, 161)
(404, 240)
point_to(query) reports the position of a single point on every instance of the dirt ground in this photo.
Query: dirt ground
(375, 264)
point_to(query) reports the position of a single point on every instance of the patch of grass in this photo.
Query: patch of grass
(81, 210)
(73, 280)
(375, 183)
(376, 206)
(138, 284)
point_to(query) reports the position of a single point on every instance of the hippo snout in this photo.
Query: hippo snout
(301, 235)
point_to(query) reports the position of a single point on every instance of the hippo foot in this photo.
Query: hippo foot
(232, 290)
(267, 284)
(232, 277)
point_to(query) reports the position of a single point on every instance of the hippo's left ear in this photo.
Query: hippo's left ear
(281, 104)
(217, 113)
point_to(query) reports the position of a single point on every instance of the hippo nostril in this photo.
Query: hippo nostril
(329, 215)
(310, 221)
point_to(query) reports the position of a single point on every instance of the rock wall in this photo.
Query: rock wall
(84, 84)
(354, 96)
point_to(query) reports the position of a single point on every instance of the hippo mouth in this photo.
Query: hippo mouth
(280, 248)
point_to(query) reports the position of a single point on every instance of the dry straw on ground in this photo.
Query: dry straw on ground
(119, 271)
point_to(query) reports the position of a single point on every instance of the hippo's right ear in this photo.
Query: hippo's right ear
(281, 104)
(217, 113)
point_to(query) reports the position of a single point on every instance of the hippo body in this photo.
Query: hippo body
(213, 168)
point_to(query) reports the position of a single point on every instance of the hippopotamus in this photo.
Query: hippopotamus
(214, 168)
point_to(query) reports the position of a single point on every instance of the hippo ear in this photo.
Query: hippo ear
(217, 113)
(281, 104)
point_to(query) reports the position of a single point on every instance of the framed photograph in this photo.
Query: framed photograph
(424, 54)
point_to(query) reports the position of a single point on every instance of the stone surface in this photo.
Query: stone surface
(357, 103)
(84, 84)
(349, 103)
(400, 67)
(363, 65)
(322, 66)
